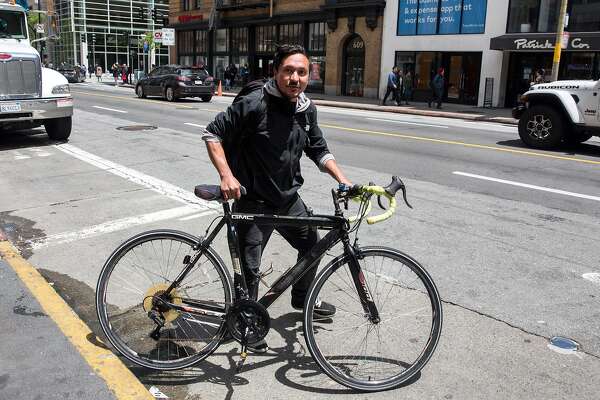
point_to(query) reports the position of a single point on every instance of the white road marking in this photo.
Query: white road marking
(525, 185)
(158, 185)
(407, 123)
(110, 109)
(196, 125)
(40, 152)
(20, 156)
(202, 214)
(593, 277)
(112, 226)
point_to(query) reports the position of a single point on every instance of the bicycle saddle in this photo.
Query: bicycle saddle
(212, 192)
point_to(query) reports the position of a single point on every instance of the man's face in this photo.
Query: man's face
(292, 76)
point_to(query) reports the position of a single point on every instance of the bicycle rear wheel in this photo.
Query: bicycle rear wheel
(363, 355)
(145, 266)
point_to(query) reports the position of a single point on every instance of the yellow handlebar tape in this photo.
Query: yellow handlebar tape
(379, 191)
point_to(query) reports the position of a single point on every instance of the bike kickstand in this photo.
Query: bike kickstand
(243, 356)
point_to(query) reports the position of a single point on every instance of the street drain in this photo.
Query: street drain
(563, 345)
(137, 128)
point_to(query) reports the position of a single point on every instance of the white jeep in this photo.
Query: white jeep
(559, 112)
(30, 95)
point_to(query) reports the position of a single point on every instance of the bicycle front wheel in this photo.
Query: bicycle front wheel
(370, 356)
(145, 266)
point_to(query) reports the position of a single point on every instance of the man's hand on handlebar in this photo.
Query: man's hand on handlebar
(230, 188)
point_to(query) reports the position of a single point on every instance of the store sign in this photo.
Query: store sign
(158, 36)
(189, 18)
(168, 36)
(430, 17)
(586, 41)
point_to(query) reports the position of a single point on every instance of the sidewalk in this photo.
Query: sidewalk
(449, 110)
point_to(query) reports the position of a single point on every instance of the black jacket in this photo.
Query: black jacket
(264, 137)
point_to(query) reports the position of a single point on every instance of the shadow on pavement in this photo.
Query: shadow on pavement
(581, 149)
(13, 140)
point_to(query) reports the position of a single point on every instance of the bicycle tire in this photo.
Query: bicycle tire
(420, 292)
(182, 334)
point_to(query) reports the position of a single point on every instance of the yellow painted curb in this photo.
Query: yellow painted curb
(119, 379)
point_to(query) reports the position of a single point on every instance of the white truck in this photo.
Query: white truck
(559, 112)
(30, 95)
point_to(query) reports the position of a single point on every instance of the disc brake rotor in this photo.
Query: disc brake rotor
(158, 289)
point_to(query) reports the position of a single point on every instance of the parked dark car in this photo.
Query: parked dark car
(74, 74)
(173, 82)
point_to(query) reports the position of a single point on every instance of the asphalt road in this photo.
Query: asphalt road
(510, 235)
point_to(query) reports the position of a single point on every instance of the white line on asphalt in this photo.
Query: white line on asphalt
(202, 214)
(112, 226)
(160, 186)
(407, 123)
(196, 125)
(525, 185)
(110, 109)
(593, 277)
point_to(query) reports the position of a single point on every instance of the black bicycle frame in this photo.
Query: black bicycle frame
(338, 227)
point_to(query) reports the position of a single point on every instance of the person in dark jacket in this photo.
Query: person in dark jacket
(392, 87)
(276, 124)
(437, 88)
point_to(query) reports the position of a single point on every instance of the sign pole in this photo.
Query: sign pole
(559, 39)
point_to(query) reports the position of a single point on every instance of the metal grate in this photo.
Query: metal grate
(137, 128)
(19, 79)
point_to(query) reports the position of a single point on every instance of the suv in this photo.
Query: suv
(176, 81)
(73, 73)
(559, 112)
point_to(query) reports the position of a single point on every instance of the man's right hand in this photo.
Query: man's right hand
(230, 188)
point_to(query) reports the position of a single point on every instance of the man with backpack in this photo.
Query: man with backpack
(257, 143)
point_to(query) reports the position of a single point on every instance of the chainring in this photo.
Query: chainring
(156, 290)
(248, 321)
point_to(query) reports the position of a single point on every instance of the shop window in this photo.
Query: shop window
(185, 42)
(432, 17)
(578, 65)
(548, 19)
(290, 34)
(197, 4)
(239, 39)
(526, 16)
(266, 37)
(220, 63)
(221, 40)
(185, 5)
(316, 36)
(584, 15)
(316, 77)
(201, 44)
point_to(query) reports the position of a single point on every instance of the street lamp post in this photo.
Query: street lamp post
(559, 37)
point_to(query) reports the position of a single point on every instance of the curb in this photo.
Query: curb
(118, 378)
(396, 110)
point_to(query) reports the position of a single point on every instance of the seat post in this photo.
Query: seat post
(226, 208)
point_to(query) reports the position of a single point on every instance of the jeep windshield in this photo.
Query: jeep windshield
(12, 25)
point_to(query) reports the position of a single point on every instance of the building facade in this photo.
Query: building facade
(104, 32)
(342, 38)
(490, 50)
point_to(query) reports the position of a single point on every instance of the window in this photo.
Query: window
(583, 15)
(221, 40)
(197, 4)
(185, 42)
(265, 39)
(542, 16)
(185, 5)
(201, 41)
(239, 40)
(433, 17)
(290, 34)
(316, 36)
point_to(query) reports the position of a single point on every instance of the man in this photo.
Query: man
(392, 86)
(280, 123)
(437, 88)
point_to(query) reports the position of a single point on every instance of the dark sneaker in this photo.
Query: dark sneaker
(259, 347)
(322, 309)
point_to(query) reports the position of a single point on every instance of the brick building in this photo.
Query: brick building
(342, 37)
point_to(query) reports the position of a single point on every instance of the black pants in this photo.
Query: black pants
(253, 239)
(394, 93)
(436, 97)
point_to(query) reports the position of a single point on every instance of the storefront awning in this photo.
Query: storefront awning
(581, 41)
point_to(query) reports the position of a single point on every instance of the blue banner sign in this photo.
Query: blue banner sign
(430, 17)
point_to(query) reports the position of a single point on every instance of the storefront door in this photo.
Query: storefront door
(462, 75)
(521, 72)
(263, 67)
(353, 77)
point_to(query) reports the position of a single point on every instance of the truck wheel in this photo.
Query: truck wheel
(541, 127)
(206, 98)
(58, 128)
(139, 90)
(577, 137)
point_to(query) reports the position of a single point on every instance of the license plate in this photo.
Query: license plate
(198, 82)
(10, 107)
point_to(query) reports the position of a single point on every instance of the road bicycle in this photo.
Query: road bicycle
(166, 300)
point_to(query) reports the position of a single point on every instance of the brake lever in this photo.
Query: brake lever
(380, 203)
(404, 196)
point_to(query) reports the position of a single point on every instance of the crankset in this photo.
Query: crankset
(248, 322)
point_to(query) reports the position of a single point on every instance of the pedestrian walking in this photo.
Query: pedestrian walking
(124, 73)
(264, 157)
(437, 88)
(392, 86)
(244, 74)
(408, 85)
(115, 72)
(91, 70)
(99, 73)
(399, 87)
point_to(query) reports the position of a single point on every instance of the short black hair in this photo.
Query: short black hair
(286, 50)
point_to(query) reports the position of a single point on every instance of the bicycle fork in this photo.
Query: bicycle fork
(360, 282)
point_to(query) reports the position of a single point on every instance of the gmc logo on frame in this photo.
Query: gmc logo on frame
(243, 217)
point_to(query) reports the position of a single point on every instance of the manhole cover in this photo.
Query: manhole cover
(137, 128)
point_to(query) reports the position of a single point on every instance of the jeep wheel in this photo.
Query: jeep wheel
(170, 94)
(58, 128)
(541, 127)
(139, 90)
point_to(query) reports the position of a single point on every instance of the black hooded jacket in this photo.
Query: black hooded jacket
(264, 136)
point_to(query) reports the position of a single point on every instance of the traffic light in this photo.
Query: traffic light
(141, 12)
(154, 15)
